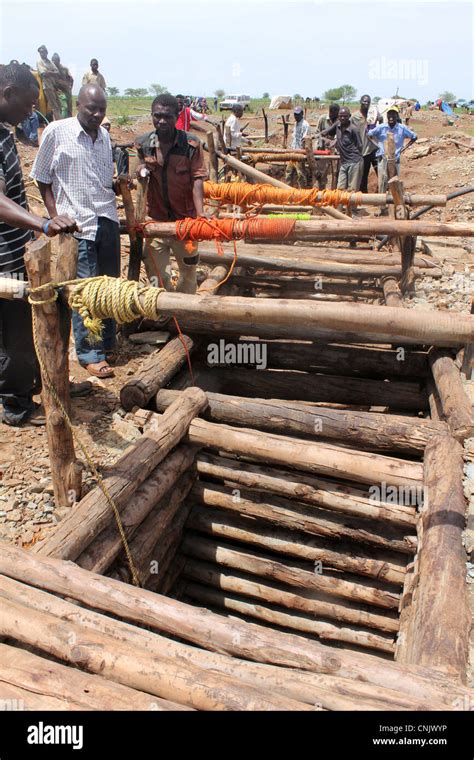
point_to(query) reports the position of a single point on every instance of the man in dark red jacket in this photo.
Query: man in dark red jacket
(175, 162)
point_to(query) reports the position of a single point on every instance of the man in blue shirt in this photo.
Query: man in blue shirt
(379, 135)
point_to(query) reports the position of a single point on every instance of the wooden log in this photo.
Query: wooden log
(361, 561)
(54, 364)
(98, 653)
(309, 456)
(296, 252)
(455, 403)
(15, 698)
(319, 458)
(267, 567)
(296, 516)
(153, 528)
(207, 577)
(363, 361)
(367, 430)
(308, 229)
(441, 624)
(436, 411)
(201, 627)
(102, 551)
(136, 241)
(265, 121)
(213, 280)
(339, 268)
(155, 372)
(328, 691)
(391, 292)
(291, 386)
(309, 490)
(82, 690)
(406, 244)
(361, 323)
(93, 513)
(213, 161)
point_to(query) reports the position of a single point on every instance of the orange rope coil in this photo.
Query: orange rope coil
(245, 194)
(222, 230)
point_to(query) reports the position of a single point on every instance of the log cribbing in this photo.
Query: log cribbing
(93, 513)
(102, 551)
(331, 691)
(455, 403)
(367, 430)
(438, 634)
(309, 456)
(155, 372)
(204, 628)
(362, 560)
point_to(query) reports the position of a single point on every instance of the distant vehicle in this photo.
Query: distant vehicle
(234, 100)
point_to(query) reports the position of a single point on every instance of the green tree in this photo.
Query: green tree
(448, 97)
(157, 89)
(136, 92)
(348, 92)
(345, 92)
(333, 94)
(219, 93)
(266, 95)
(113, 91)
(297, 96)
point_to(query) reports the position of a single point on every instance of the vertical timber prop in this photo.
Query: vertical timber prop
(65, 468)
(406, 244)
(437, 636)
(308, 146)
(213, 161)
(136, 241)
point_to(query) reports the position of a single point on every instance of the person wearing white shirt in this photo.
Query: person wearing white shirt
(232, 130)
(300, 131)
(74, 170)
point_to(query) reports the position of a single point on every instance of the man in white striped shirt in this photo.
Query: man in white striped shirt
(74, 169)
(19, 371)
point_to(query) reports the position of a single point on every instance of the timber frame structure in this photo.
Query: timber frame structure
(296, 527)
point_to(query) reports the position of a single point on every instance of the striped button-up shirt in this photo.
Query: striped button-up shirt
(300, 131)
(80, 171)
(12, 239)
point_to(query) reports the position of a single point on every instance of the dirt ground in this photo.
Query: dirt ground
(436, 164)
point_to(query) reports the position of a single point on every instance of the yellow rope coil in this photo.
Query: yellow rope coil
(98, 298)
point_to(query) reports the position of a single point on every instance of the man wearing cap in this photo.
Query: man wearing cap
(300, 131)
(400, 133)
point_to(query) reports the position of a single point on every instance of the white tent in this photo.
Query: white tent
(280, 101)
(385, 104)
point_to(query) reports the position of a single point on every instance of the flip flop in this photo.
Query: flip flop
(101, 369)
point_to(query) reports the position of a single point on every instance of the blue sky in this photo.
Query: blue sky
(423, 48)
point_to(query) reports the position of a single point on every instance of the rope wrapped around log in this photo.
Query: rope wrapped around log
(244, 194)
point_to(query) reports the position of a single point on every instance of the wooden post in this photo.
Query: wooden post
(265, 121)
(455, 403)
(391, 292)
(407, 243)
(136, 241)
(439, 630)
(51, 341)
(285, 131)
(213, 161)
(308, 145)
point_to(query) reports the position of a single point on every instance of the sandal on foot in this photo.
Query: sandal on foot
(100, 369)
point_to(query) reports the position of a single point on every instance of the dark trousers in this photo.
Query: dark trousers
(19, 370)
(97, 257)
(369, 161)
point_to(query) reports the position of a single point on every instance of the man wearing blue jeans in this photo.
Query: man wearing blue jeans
(74, 169)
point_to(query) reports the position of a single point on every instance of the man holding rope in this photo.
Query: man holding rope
(19, 371)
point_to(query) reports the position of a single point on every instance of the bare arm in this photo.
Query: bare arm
(198, 196)
(48, 198)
